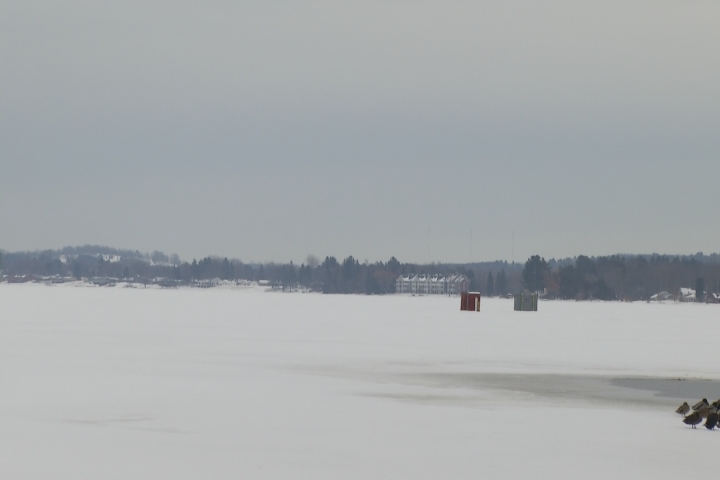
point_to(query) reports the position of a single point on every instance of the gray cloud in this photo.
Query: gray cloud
(268, 131)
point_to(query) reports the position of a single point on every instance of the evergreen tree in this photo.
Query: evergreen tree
(534, 273)
(304, 275)
(472, 284)
(330, 262)
(700, 290)
(195, 270)
(76, 270)
(228, 272)
(289, 277)
(501, 283)
(581, 281)
(490, 285)
(350, 268)
(372, 286)
(393, 265)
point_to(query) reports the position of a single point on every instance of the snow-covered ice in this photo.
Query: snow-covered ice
(226, 383)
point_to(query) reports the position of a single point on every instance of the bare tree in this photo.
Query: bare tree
(312, 261)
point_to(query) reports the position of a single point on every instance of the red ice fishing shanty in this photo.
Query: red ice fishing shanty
(470, 301)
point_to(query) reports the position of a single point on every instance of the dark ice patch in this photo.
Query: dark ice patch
(690, 390)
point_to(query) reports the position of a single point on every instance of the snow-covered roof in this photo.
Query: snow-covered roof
(664, 295)
(431, 278)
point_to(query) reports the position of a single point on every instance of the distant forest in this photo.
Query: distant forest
(616, 277)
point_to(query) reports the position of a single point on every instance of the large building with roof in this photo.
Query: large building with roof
(432, 284)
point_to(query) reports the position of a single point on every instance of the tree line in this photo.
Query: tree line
(621, 277)
(615, 277)
(329, 275)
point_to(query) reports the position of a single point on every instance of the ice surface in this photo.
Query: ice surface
(239, 383)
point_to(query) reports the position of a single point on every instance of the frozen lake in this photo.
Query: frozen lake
(231, 383)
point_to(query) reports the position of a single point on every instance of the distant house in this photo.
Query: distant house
(432, 284)
(685, 295)
(206, 283)
(662, 296)
(21, 278)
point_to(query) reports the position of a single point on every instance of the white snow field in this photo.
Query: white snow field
(115, 383)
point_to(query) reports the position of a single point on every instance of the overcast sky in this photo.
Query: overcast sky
(431, 131)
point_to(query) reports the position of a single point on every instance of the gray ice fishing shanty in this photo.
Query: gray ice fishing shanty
(432, 284)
